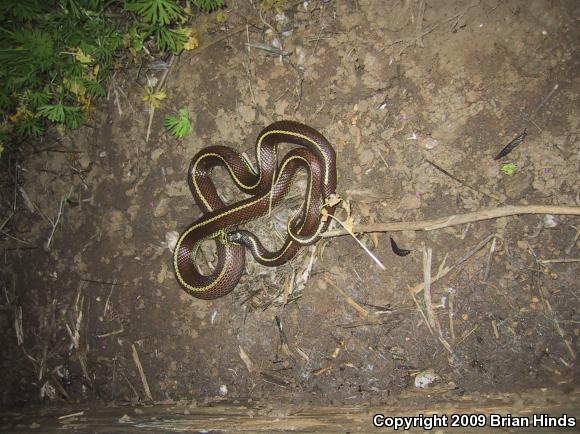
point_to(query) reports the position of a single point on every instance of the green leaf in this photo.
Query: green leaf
(179, 124)
(21, 9)
(168, 39)
(37, 99)
(74, 117)
(30, 126)
(35, 47)
(509, 169)
(53, 113)
(5, 101)
(155, 11)
(94, 88)
(208, 5)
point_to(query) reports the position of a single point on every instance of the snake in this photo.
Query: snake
(266, 185)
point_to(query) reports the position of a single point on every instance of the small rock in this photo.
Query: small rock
(300, 56)
(550, 221)
(171, 238)
(426, 378)
(429, 143)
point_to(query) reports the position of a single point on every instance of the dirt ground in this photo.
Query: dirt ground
(401, 89)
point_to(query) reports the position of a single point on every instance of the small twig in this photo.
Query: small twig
(546, 99)
(18, 325)
(269, 48)
(488, 264)
(32, 206)
(141, 373)
(6, 220)
(247, 67)
(62, 201)
(106, 309)
(462, 182)
(114, 332)
(469, 333)
(421, 311)
(451, 300)
(14, 238)
(427, 253)
(246, 359)
(419, 287)
(457, 219)
(574, 241)
(67, 416)
(150, 123)
(365, 313)
(204, 47)
(348, 231)
(102, 282)
(494, 327)
(557, 261)
(264, 21)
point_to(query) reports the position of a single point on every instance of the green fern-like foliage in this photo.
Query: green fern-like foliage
(207, 5)
(161, 12)
(56, 54)
(179, 124)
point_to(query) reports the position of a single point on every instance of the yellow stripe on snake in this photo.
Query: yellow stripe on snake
(267, 186)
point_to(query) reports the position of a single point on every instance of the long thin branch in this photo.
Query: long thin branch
(458, 219)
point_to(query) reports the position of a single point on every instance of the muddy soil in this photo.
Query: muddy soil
(417, 97)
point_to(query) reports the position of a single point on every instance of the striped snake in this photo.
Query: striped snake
(267, 185)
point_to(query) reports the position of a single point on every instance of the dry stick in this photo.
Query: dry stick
(6, 220)
(141, 373)
(427, 254)
(419, 287)
(421, 311)
(365, 248)
(451, 314)
(546, 99)
(557, 261)
(47, 244)
(14, 238)
(488, 264)
(575, 240)
(458, 219)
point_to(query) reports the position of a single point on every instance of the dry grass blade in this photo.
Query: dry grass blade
(141, 373)
(427, 254)
(419, 287)
(246, 359)
(365, 248)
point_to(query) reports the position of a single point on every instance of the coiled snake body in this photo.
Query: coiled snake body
(267, 186)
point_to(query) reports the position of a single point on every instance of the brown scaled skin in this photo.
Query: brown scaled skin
(219, 221)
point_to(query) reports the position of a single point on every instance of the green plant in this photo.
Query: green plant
(179, 124)
(206, 5)
(56, 54)
(509, 169)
